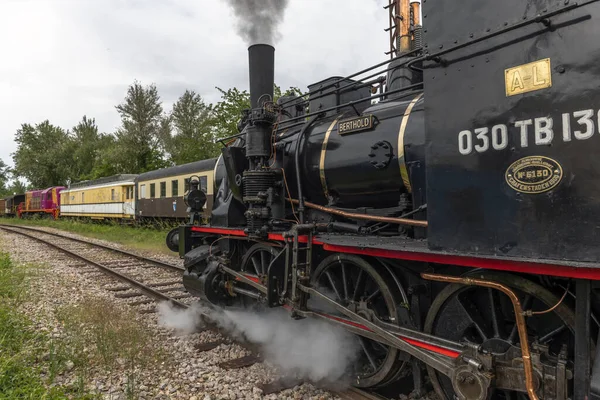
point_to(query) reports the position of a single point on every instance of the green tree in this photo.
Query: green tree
(85, 148)
(4, 177)
(109, 158)
(228, 111)
(194, 135)
(16, 187)
(139, 142)
(42, 154)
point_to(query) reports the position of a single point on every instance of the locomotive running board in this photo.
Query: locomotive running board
(442, 358)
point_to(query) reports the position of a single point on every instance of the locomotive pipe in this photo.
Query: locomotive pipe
(405, 26)
(416, 9)
(519, 318)
(297, 164)
(365, 217)
(261, 63)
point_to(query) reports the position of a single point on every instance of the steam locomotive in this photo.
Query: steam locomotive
(452, 224)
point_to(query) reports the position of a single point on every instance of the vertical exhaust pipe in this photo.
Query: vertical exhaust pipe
(415, 8)
(261, 58)
(261, 63)
(259, 180)
(405, 26)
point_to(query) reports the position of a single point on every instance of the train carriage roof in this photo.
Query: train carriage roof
(14, 195)
(103, 181)
(190, 168)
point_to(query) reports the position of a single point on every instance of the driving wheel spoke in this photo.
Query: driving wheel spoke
(361, 287)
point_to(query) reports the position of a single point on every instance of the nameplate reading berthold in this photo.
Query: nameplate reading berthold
(356, 124)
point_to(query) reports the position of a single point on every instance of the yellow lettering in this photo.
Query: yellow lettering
(517, 81)
(536, 80)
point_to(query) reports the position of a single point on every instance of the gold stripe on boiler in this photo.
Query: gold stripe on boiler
(401, 160)
(322, 159)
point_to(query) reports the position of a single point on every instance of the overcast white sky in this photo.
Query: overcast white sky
(62, 59)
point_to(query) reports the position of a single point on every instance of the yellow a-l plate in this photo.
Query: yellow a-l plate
(528, 77)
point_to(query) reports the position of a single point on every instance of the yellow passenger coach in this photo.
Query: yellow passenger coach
(105, 198)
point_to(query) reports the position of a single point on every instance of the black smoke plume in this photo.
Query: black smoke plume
(257, 20)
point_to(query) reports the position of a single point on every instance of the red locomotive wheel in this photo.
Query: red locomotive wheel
(358, 285)
(255, 264)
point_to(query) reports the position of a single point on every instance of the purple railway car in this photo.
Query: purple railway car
(41, 202)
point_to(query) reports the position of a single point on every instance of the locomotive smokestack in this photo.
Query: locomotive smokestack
(261, 59)
(260, 194)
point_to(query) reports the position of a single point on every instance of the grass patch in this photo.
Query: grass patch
(142, 238)
(23, 363)
(108, 337)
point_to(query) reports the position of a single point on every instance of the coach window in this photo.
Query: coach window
(112, 194)
(82, 197)
(163, 189)
(174, 188)
(129, 192)
(203, 183)
(186, 183)
(142, 191)
(152, 190)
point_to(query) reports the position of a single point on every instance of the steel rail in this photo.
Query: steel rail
(128, 253)
(209, 322)
(349, 394)
(148, 291)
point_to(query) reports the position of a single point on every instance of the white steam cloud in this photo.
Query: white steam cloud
(257, 20)
(306, 349)
(183, 321)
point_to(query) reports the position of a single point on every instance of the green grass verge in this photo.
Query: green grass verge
(27, 367)
(149, 239)
(109, 337)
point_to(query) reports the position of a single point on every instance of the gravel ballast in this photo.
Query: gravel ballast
(188, 373)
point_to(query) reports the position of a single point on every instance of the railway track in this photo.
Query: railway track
(161, 283)
(132, 284)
